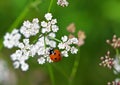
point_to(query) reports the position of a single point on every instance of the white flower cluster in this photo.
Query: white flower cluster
(30, 29)
(41, 47)
(12, 40)
(49, 25)
(21, 55)
(62, 3)
(65, 45)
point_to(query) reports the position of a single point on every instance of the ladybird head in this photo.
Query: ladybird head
(51, 51)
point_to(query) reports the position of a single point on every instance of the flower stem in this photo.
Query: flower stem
(117, 51)
(51, 74)
(44, 43)
(50, 6)
(54, 39)
(117, 54)
(74, 70)
(61, 71)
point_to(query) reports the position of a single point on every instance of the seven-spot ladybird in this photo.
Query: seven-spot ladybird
(55, 55)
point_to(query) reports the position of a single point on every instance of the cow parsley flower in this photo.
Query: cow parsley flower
(64, 53)
(44, 24)
(62, 3)
(48, 16)
(74, 50)
(41, 60)
(65, 45)
(49, 25)
(107, 61)
(21, 55)
(30, 28)
(24, 66)
(12, 39)
(64, 38)
(115, 82)
(40, 47)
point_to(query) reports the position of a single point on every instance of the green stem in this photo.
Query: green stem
(117, 54)
(49, 67)
(117, 51)
(51, 74)
(50, 6)
(54, 39)
(74, 70)
(61, 71)
(19, 19)
(35, 5)
(115, 70)
(36, 38)
(44, 42)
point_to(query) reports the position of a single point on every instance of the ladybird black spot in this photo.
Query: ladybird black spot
(54, 53)
(59, 54)
(55, 58)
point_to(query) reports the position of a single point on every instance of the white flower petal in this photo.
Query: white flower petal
(62, 3)
(64, 53)
(55, 28)
(41, 51)
(27, 24)
(44, 24)
(74, 50)
(53, 21)
(61, 45)
(21, 45)
(26, 41)
(11, 39)
(64, 38)
(30, 29)
(52, 44)
(35, 20)
(49, 60)
(74, 40)
(16, 64)
(68, 48)
(41, 60)
(44, 30)
(52, 35)
(24, 66)
(48, 16)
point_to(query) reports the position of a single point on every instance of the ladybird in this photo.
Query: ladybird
(55, 55)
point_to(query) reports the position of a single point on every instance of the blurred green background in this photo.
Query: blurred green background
(100, 19)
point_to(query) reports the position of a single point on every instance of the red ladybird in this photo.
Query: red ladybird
(55, 55)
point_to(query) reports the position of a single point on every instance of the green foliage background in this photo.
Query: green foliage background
(100, 19)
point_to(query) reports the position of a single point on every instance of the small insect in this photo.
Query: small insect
(55, 55)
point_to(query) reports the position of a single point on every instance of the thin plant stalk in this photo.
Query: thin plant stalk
(74, 70)
(50, 69)
(55, 39)
(50, 6)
